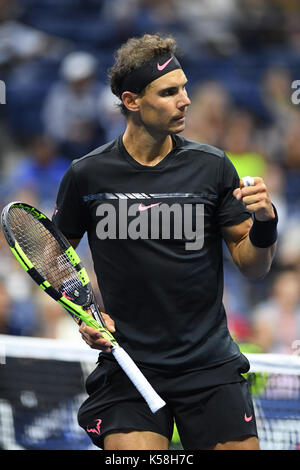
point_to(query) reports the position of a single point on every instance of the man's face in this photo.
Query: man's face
(164, 104)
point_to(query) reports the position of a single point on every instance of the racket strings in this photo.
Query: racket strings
(43, 250)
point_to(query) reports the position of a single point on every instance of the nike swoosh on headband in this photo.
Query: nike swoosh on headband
(163, 66)
(139, 78)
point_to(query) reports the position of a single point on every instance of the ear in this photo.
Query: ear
(130, 100)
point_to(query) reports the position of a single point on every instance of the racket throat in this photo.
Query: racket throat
(96, 315)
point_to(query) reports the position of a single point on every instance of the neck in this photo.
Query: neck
(144, 147)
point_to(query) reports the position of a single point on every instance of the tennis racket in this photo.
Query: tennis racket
(50, 260)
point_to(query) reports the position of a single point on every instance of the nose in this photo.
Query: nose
(184, 100)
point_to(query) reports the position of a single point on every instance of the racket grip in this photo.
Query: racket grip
(154, 401)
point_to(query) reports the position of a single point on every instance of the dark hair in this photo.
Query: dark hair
(134, 53)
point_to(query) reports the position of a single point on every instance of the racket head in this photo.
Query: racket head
(50, 260)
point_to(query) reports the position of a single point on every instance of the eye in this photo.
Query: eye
(169, 91)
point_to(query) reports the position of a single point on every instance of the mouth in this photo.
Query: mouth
(180, 118)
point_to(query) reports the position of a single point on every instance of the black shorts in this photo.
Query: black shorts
(209, 406)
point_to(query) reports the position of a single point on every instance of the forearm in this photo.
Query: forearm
(253, 262)
(253, 244)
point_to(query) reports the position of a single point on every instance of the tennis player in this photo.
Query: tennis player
(156, 208)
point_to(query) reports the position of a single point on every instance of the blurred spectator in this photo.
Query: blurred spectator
(289, 245)
(112, 119)
(120, 17)
(135, 17)
(27, 55)
(276, 321)
(241, 145)
(280, 139)
(157, 15)
(20, 43)
(7, 261)
(72, 112)
(261, 23)
(35, 178)
(292, 23)
(17, 317)
(275, 181)
(18, 285)
(207, 115)
(237, 313)
(53, 321)
(5, 310)
(291, 166)
(209, 26)
(198, 25)
(276, 94)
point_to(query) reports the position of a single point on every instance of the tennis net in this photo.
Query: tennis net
(42, 387)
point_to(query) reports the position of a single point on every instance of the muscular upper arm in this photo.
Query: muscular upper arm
(234, 235)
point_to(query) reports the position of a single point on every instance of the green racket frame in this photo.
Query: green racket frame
(78, 313)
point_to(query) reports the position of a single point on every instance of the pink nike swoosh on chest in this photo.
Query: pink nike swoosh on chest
(144, 208)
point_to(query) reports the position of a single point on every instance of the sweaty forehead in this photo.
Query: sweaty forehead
(175, 78)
